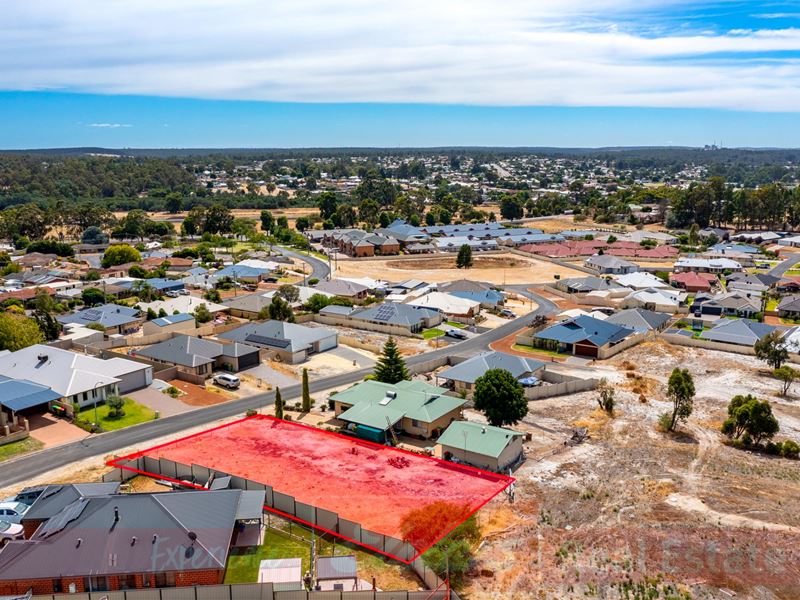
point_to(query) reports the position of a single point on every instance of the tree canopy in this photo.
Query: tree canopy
(391, 367)
(500, 397)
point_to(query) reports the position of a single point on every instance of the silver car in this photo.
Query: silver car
(10, 531)
(13, 511)
(228, 381)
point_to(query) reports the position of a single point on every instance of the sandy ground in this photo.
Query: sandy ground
(497, 269)
(632, 500)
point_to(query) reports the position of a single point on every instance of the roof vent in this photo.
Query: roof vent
(78, 543)
(483, 429)
(155, 538)
(42, 357)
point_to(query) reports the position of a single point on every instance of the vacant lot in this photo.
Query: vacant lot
(495, 268)
(633, 501)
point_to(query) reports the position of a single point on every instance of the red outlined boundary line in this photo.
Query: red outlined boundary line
(466, 468)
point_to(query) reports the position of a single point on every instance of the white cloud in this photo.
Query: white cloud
(109, 125)
(514, 52)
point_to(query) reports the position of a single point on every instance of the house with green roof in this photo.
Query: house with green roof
(413, 408)
(483, 446)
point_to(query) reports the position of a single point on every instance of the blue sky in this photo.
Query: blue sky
(292, 73)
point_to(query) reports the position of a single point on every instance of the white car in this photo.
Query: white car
(228, 381)
(10, 531)
(13, 511)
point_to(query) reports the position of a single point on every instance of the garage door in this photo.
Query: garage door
(586, 349)
(249, 360)
(135, 380)
(327, 343)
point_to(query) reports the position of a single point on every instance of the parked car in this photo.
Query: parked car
(184, 292)
(172, 294)
(227, 381)
(456, 334)
(9, 531)
(12, 511)
(508, 313)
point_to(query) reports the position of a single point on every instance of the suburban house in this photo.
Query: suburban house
(343, 288)
(181, 304)
(159, 284)
(741, 332)
(290, 342)
(389, 317)
(112, 317)
(729, 304)
(585, 285)
(693, 282)
(706, 265)
(111, 542)
(484, 446)
(640, 320)
(453, 244)
(76, 378)
(606, 264)
(371, 408)
(201, 357)
(485, 293)
(583, 336)
(789, 307)
(248, 306)
(462, 377)
(751, 282)
(449, 305)
(241, 274)
(169, 324)
(641, 280)
(662, 300)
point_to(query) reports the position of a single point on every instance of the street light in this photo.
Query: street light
(94, 396)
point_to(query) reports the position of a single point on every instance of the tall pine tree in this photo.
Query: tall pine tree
(278, 404)
(391, 368)
(306, 392)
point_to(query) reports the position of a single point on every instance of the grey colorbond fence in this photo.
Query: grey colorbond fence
(246, 591)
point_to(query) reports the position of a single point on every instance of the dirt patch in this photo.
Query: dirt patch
(480, 262)
(195, 395)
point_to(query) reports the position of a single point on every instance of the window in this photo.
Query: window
(95, 584)
(57, 588)
(127, 582)
(414, 423)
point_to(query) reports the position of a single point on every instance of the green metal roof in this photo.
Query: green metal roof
(485, 440)
(372, 404)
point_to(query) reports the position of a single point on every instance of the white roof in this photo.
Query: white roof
(183, 304)
(369, 282)
(716, 263)
(641, 280)
(280, 570)
(269, 265)
(63, 371)
(446, 303)
(578, 312)
(659, 297)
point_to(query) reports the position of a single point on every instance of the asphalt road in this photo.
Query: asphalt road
(32, 465)
(319, 268)
(780, 269)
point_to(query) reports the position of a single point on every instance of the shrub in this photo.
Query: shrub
(790, 449)
(313, 281)
(665, 422)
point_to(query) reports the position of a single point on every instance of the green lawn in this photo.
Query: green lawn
(134, 413)
(243, 563)
(429, 334)
(772, 304)
(532, 350)
(21, 447)
(456, 325)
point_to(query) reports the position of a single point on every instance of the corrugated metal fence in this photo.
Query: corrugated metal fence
(246, 591)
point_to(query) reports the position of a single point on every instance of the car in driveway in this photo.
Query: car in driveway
(13, 511)
(456, 334)
(9, 532)
(226, 380)
(509, 314)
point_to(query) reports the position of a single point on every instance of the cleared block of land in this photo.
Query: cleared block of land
(371, 489)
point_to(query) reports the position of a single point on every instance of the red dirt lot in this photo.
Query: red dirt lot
(389, 491)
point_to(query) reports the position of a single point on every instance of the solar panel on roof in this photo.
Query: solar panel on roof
(267, 341)
(385, 313)
(64, 518)
(92, 315)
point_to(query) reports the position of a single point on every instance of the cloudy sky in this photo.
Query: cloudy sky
(417, 72)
